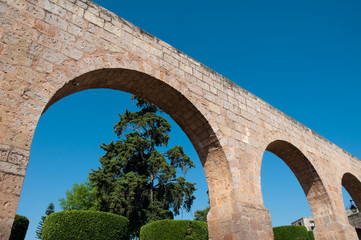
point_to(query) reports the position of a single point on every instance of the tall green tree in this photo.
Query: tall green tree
(48, 211)
(79, 197)
(136, 179)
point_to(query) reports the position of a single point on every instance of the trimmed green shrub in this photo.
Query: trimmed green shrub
(19, 228)
(310, 235)
(85, 225)
(290, 233)
(174, 230)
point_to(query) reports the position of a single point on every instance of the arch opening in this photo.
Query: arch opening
(78, 129)
(353, 187)
(282, 193)
(181, 105)
(172, 101)
(351, 193)
(307, 176)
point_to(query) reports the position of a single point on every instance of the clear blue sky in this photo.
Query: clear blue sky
(303, 57)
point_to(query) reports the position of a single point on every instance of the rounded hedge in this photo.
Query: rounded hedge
(19, 228)
(85, 225)
(290, 233)
(310, 235)
(174, 230)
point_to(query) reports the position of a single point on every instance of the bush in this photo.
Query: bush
(85, 225)
(310, 235)
(19, 228)
(290, 233)
(174, 230)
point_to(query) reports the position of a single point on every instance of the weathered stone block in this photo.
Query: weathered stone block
(8, 167)
(6, 66)
(94, 19)
(5, 227)
(53, 56)
(11, 183)
(72, 52)
(56, 21)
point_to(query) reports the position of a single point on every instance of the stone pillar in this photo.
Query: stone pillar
(234, 214)
(13, 163)
(329, 216)
(332, 222)
(335, 231)
(239, 221)
(326, 203)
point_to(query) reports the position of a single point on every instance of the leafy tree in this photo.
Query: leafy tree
(48, 211)
(80, 197)
(136, 179)
(201, 215)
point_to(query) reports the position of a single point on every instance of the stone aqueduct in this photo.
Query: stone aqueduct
(53, 48)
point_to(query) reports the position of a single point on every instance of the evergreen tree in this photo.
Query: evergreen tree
(48, 211)
(135, 179)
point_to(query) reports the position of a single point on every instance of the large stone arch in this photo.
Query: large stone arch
(167, 89)
(189, 118)
(171, 100)
(180, 108)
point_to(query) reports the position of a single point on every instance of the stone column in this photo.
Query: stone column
(332, 222)
(236, 211)
(13, 163)
(240, 221)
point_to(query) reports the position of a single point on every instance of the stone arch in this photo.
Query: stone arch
(170, 100)
(310, 181)
(170, 89)
(175, 100)
(353, 186)
(189, 118)
(126, 72)
(174, 91)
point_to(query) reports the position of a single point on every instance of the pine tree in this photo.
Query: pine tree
(48, 211)
(136, 179)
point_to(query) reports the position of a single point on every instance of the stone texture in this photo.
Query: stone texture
(5, 228)
(46, 46)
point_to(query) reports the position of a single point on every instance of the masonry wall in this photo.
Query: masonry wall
(53, 48)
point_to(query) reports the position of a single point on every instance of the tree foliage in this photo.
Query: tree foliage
(80, 197)
(201, 215)
(136, 179)
(48, 211)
